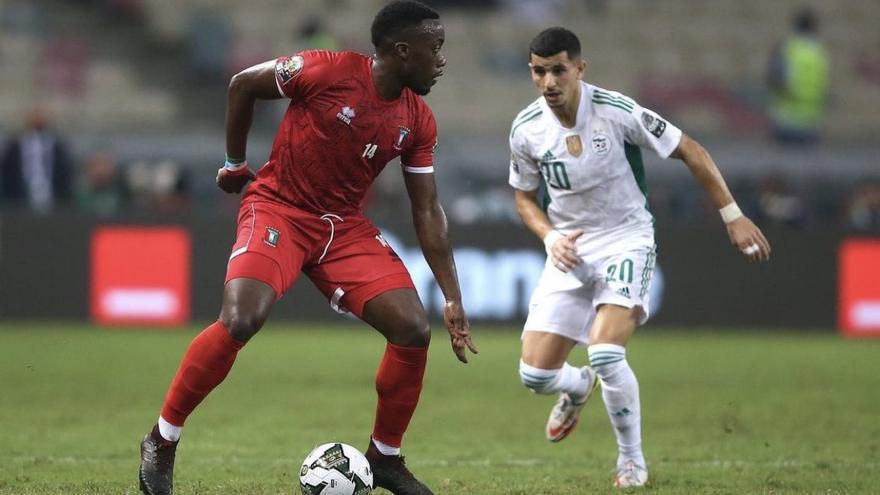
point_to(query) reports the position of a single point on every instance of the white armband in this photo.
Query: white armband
(550, 239)
(730, 212)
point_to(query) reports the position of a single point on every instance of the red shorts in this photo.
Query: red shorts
(345, 257)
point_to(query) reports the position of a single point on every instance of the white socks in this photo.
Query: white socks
(169, 431)
(385, 449)
(567, 379)
(620, 391)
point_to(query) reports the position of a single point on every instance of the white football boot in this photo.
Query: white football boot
(565, 414)
(629, 475)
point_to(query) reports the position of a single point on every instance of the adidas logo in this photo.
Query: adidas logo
(623, 291)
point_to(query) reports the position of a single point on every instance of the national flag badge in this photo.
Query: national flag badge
(574, 144)
(404, 132)
(271, 237)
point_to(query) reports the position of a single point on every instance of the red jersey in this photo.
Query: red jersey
(338, 134)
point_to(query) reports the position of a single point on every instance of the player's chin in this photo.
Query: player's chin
(422, 90)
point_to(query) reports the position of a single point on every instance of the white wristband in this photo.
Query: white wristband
(550, 239)
(235, 167)
(730, 212)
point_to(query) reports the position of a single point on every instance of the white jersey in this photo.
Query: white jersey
(594, 172)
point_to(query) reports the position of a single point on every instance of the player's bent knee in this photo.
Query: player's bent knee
(417, 331)
(538, 383)
(242, 325)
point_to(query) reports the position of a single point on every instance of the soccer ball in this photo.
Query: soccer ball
(335, 469)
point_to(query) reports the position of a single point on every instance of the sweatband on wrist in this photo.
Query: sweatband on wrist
(235, 164)
(730, 212)
(550, 239)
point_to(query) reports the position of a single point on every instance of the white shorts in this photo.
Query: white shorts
(565, 303)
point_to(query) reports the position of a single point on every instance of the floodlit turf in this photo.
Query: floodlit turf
(723, 412)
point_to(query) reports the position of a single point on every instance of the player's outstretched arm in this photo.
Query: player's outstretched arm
(429, 221)
(245, 88)
(744, 235)
(560, 248)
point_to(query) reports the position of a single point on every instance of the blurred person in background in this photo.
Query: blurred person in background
(313, 34)
(778, 204)
(798, 78)
(161, 186)
(349, 115)
(100, 190)
(36, 168)
(585, 144)
(171, 187)
(863, 208)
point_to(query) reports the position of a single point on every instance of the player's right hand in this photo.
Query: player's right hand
(563, 251)
(234, 181)
(749, 239)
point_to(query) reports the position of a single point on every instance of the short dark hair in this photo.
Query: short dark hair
(806, 21)
(398, 16)
(555, 40)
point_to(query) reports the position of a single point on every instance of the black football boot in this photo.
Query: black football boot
(390, 472)
(157, 464)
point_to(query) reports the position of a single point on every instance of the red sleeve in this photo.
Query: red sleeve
(304, 73)
(419, 156)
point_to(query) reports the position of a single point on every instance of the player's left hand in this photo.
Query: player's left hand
(234, 181)
(749, 239)
(459, 330)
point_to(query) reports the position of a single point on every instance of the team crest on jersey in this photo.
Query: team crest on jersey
(404, 132)
(600, 143)
(654, 125)
(574, 145)
(346, 114)
(271, 237)
(288, 68)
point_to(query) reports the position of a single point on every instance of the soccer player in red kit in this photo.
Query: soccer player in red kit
(349, 115)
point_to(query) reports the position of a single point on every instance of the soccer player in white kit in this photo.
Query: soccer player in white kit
(585, 143)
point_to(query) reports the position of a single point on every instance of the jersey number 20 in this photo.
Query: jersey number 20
(555, 175)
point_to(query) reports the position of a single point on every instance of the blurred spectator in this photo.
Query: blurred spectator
(36, 170)
(798, 79)
(159, 187)
(100, 190)
(313, 34)
(863, 208)
(777, 204)
(172, 185)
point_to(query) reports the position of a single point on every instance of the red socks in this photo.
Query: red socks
(399, 383)
(205, 364)
(211, 354)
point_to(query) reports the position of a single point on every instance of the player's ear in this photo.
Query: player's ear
(581, 68)
(401, 49)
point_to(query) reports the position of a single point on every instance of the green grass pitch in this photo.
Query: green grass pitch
(723, 412)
